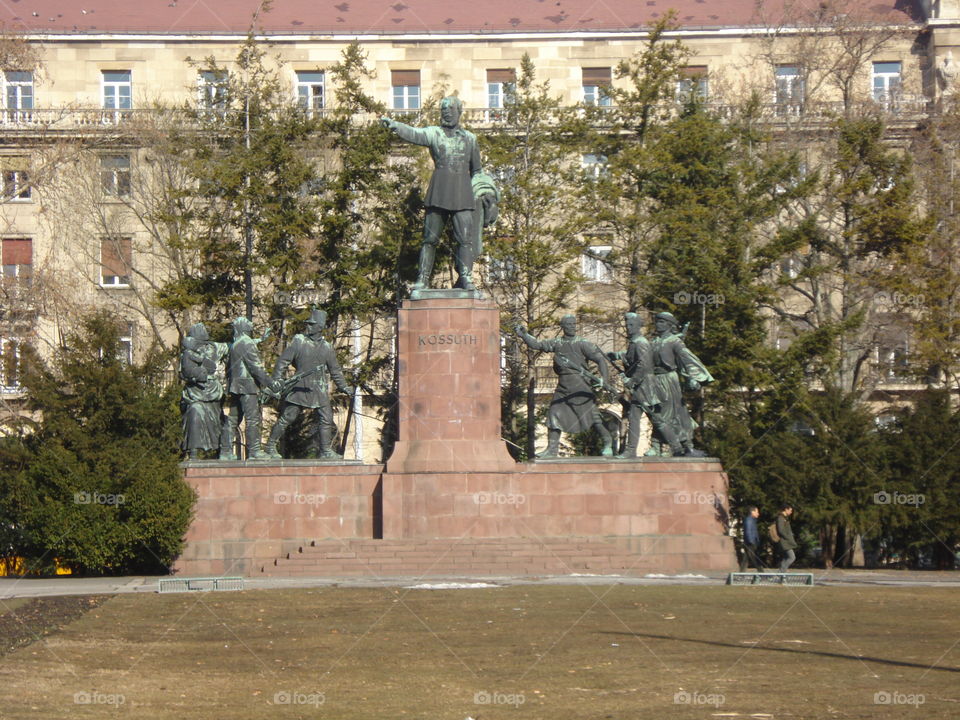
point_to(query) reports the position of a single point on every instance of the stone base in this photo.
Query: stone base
(249, 512)
(555, 517)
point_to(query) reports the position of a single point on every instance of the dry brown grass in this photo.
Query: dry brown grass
(566, 652)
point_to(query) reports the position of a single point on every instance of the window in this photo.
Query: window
(310, 90)
(692, 83)
(19, 92)
(886, 81)
(594, 166)
(116, 260)
(115, 175)
(16, 180)
(789, 89)
(117, 90)
(212, 91)
(502, 269)
(500, 87)
(594, 265)
(596, 81)
(9, 364)
(406, 89)
(125, 351)
(17, 255)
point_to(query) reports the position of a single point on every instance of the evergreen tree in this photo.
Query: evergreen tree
(94, 483)
(531, 269)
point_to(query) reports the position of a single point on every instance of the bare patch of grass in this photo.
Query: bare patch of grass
(568, 652)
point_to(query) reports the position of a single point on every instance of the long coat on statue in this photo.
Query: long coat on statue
(573, 408)
(671, 360)
(304, 354)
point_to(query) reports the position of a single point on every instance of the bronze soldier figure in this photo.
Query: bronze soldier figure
(450, 196)
(245, 377)
(314, 359)
(574, 405)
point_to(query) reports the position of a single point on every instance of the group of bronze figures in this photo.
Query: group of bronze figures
(462, 195)
(212, 413)
(651, 371)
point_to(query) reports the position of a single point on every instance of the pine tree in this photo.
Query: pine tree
(94, 483)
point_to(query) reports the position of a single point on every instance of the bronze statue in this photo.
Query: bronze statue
(450, 196)
(202, 391)
(574, 405)
(671, 361)
(641, 389)
(313, 358)
(245, 377)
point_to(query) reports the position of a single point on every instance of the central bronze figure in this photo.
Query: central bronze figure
(450, 196)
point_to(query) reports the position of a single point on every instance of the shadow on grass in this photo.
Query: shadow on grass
(796, 651)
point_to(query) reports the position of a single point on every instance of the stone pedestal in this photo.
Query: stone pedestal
(449, 356)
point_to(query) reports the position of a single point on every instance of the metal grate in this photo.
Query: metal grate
(203, 584)
(772, 578)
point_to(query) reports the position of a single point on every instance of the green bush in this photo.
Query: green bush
(92, 481)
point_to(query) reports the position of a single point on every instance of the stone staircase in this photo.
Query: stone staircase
(464, 557)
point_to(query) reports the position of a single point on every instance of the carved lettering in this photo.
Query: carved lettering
(446, 339)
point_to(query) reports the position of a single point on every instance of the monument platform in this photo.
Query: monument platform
(557, 517)
(451, 500)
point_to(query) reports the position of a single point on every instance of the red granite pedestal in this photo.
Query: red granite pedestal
(449, 362)
(451, 501)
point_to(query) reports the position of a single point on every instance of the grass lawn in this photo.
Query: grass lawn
(564, 652)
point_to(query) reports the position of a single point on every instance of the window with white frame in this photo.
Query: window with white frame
(116, 261)
(692, 83)
(9, 364)
(405, 89)
(594, 165)
(125, 351)
(19, 95)
(789, 86)
(594, 265)
(501, 269)
(16, 180)
(310, 90)
(117, 90)
(212, 87)
(500, 85)
(115, 175)
(596, 82)
(17, 257)
(887, 81)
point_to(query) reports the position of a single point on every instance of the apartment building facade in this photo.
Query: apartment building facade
(100, 63)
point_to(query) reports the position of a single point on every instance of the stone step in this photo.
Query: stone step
(445, 557)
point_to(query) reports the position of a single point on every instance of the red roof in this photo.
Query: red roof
(350, 17)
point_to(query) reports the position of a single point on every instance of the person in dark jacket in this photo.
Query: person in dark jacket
(574, 405)
(314, 359)
(245, 377)
(751, 541)
(456, 159)
(786, 543)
